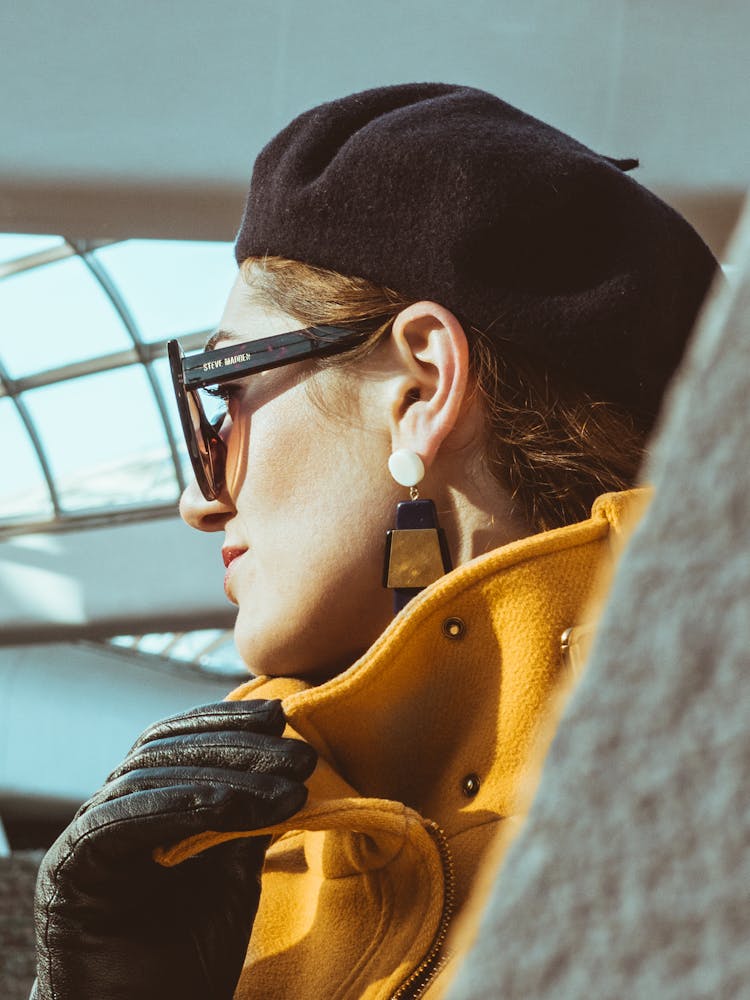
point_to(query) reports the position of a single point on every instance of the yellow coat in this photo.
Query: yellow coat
(424, 746)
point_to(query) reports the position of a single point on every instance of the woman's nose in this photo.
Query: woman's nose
(205, 515)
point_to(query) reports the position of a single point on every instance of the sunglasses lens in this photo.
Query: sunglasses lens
(205, 447)
(207, 451)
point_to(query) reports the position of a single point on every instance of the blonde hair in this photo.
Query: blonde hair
(552, 445)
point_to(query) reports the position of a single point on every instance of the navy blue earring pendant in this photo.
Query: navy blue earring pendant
(416, 550)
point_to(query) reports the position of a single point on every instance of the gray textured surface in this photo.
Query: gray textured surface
(17, 948)
(632, 876)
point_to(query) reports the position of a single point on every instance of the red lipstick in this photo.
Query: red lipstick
(230, 553)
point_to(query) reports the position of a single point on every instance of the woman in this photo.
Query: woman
(445, 305)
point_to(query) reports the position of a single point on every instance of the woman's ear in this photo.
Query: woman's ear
(433, 355)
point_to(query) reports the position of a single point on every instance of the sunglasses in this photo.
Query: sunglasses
(206, 448)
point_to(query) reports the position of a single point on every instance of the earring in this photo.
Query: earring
(416, 550)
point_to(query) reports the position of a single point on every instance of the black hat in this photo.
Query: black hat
(448, 193)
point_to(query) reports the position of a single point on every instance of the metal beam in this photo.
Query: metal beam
(32, 260)
(106, 628)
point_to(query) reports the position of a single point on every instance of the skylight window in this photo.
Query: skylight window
(54, 315)
(105, 440)
(171, 288)
(23, 488)
(87, 419)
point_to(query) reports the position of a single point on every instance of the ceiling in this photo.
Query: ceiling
(143, 118)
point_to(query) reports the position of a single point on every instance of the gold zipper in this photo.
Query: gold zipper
(433, 962)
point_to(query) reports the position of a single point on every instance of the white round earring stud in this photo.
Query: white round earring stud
(406, 467)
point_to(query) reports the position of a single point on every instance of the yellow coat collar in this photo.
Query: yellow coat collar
(422, 711)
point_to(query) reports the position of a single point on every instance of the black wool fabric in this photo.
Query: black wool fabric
(448, 193)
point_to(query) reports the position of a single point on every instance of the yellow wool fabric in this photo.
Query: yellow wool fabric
(356, 886)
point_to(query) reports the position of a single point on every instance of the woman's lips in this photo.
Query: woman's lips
(230, 553)
(230, 556)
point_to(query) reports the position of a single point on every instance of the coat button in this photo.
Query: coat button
(470, 785)
(454, 628)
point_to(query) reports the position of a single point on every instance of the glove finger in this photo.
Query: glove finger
(256, 716)
(266, 798)
(246, 751)
(104, 843)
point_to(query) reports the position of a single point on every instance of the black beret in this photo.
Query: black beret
(448, 193)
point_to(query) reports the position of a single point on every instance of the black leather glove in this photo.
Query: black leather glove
(111, 923)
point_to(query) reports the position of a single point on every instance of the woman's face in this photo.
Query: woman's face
(306, 507)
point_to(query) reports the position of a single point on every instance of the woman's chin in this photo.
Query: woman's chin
(265, 656)
(294, 660)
